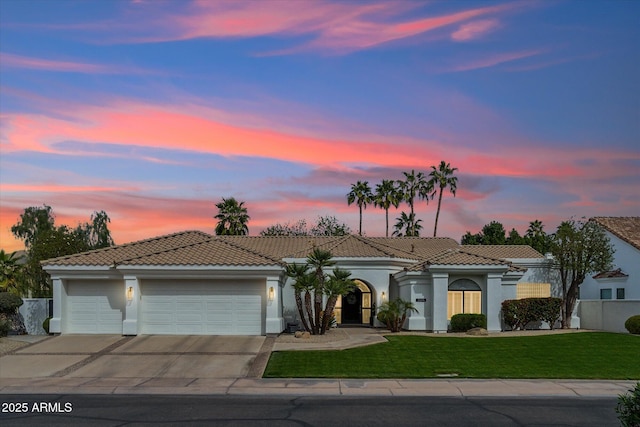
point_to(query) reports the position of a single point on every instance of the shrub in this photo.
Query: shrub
(464, 322)
(394, 313)
(9, 303)
(518, 313)
(628, 408)
(5, 327)
(45, 324)
(633, 324)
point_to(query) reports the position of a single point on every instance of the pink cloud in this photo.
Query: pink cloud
(27, 62)
(128, 122)
(496, 59)
(474, 30)
(336, 27)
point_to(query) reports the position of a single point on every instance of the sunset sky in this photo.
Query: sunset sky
(154, 110)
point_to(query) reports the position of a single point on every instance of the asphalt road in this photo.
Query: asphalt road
(135, 410)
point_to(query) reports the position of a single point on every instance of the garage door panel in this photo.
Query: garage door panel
(94, 307)
(202, 308)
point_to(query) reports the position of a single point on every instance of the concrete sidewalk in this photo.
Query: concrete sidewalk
(319, 387)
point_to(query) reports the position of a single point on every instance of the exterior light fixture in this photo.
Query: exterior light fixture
(272, 293)
(383, 296)
(130, 293)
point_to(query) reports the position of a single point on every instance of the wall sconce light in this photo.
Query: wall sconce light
(383, 297)
(272, 293)
(130, 293)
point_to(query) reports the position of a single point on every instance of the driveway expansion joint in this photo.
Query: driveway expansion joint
(92, 357)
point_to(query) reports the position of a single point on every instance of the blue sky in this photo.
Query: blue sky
(155, 110)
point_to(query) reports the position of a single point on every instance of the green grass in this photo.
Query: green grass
(587, 355)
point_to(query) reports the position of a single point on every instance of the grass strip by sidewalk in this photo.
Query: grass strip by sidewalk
(587, 355)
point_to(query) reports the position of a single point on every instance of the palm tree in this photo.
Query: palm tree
(360, 194)
(441, 178)
(394, 313)
(409, 224)
(386, 195)
(338, 284)
(232, 218)
(298, 272)
(414, 185)
(317, 260)
(11, 273)
(537, 238)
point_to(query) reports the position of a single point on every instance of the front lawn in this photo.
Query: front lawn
(586, 355)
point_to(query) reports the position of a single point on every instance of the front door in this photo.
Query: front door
(352, 307)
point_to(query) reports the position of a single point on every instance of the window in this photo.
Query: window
(605, 293)
(533, 290)
(620, 293)
(464, 296)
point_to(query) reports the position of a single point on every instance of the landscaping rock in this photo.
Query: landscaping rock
(303, 335)
(477, 332)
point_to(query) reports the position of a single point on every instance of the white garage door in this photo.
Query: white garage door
(94, 307)
(202, 308)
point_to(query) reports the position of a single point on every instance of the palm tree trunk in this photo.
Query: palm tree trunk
(387, 222)
(360, 229)
(413, 220)
(303, 319)
(307, 306)
(328, 313)
(317, 308)
(435, 228)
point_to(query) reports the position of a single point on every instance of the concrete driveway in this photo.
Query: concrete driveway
(128, 361)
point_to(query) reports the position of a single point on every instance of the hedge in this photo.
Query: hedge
(633, 324)
(517, 313)
(464, 322)
(9, 303)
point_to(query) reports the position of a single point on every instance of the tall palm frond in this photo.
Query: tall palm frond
(441, 178)
(360, 194)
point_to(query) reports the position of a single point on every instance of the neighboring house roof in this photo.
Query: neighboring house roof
(195, 248)
(626, 228)
(614, 274)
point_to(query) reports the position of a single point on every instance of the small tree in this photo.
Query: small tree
(394, 313)
(579, 248)
(329, 226)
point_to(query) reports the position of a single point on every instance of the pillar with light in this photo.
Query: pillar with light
(272, 294)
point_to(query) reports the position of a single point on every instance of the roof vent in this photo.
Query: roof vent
(412, 247)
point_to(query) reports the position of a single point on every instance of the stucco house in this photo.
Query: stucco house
(195, 283)
(623, 281)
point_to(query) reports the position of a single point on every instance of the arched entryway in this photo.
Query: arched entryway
(464, 296)
(357, 307)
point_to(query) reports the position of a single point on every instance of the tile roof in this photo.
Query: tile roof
(611, 274)
(503, 251)
(120, 253)
(626, 228)
(456, 256)
(195, 248)
(211, 252)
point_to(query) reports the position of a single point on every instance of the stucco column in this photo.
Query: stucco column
(494, 301)
(55, 324)
(414, 288)
(274, 323)
(132, 295)
(440, 296)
